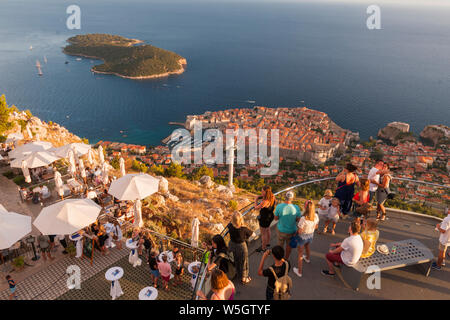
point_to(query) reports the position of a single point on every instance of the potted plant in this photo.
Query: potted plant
(71, 250)
(18, 263)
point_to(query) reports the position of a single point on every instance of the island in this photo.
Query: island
(126, 58)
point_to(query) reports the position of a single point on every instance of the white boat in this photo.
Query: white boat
(45, 59)
(78, 59)
(250, 101)
(31, 47)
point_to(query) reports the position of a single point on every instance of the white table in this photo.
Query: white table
(148, 293)
(133, 257)
(114, 274)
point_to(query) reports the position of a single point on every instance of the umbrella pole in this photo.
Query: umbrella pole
(30, 239)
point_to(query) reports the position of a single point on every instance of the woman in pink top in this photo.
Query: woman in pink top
(221, 286)
(165, 271)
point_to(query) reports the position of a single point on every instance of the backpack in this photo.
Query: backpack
(283, 285)
(231, 273)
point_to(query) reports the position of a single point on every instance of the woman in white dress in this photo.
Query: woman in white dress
(117, 231)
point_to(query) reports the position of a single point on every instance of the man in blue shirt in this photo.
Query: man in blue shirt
(287, 215)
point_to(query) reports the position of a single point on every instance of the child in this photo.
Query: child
(154, 268)
(370, 237)
(12, 287)
(444, 241)
(334, 213)
(195, 270)
(324, 204)
(166, 271)
(179, 261)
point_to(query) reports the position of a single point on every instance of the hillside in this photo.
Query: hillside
(123, 57)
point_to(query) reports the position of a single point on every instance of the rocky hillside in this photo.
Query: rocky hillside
(396, 132)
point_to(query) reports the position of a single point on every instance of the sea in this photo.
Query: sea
(318, 54)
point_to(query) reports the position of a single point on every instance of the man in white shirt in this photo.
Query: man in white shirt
(444, 241)
(374, 178)
(91, 194)
(347, 252)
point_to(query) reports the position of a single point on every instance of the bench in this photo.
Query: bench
(409, 252)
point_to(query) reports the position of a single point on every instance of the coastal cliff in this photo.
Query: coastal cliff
(436, 135)
(396, 132)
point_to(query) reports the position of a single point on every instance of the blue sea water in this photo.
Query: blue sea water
(275, 53)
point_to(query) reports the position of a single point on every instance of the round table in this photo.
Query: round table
(169, 255)
(193, 264)
(148, 293)
(114, 274)
(77, 238)
(133, 257)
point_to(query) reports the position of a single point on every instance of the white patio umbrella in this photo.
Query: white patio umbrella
(30, 135)
(138, 222)
(59, 184)
(14, 137)
(134, 186)
(79, 149)
(35, 159)
(101, 156)
(90, 157)
(28, 148)
(26, 172)
(195, 232)
(105, 177)
(13, 227)
(122, 166)
(81, 168)
(72, 166)
(67, 216)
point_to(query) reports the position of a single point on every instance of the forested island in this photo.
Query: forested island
(124, 57)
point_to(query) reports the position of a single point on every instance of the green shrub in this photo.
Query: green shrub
(9, 174)
(19, 180)
(233, 204)
(19, 262)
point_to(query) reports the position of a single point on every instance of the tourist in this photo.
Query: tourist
(221, 286)
(62, 240)
(44, 245)
(325, 204)
(51, 238)
(346, 187)
(179, 267)
(117, 234)
(308, 223)
(148, 243)
(239, 235)
(374, 178)
(279, 268)
(346, 252)
(334, 213)
(91, 194)
(165, 270)
(383, 192)
(109, 226)
(219, 255)
(362, 201)
(266, 215)
(287, 214)
(154, 271)
(444, 241)
(12, 287)
(370, 237)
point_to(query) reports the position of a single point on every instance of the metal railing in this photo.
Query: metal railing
(248, 208)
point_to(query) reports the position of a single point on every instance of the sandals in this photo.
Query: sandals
(246, 281)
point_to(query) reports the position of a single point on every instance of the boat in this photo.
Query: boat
(78, 59)
(67, 62)
(38, 66)
(250, 101)
(45, 59)
(31, 47)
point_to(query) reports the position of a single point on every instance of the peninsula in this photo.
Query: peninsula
(126, 58)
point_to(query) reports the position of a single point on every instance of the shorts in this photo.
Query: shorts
(12, 290)
(334, 257)
(166, 279)
(178, 271)
(155, 273)
(284, 237)
(334, 219)
(297, 241)
(45, 249)
(443, 247)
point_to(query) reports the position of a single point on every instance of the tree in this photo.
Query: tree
(4, 115)
(376, 154)
(202, 171)
(174, 170)
(157, 170)
(115, 163)
(139, 166)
